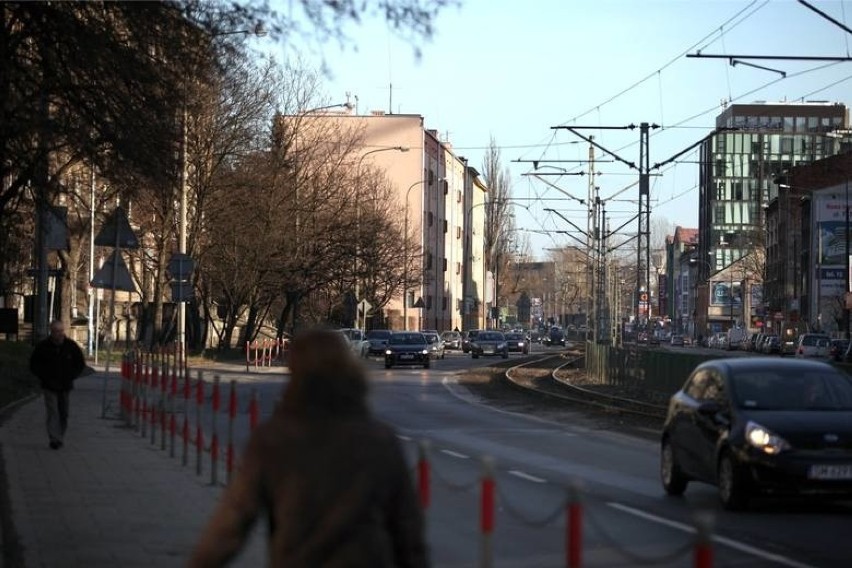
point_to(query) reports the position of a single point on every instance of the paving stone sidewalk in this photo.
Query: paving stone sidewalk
(107, 498)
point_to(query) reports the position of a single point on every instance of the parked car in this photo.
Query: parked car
(407, 348)
(356, 340)
(812, 345)
(676, 340)
(452, 340)
(517, 343)
(771, 345)
(837, 349)
(754, 425)
(377, 340)
(436, 345)
(467, 337)
(489, 343)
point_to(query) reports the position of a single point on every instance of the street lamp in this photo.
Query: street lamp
(405, 255)
(358, 226)
(259, 31)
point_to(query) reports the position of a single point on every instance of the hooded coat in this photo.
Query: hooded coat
(331, 480)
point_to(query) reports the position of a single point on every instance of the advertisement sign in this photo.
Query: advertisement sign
(725, 293)
(832, 282)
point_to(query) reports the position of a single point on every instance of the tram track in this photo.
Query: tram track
(553, 376)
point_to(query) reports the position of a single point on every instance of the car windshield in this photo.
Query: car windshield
(792, 389)
(431, 337)
(352, 333)
(378, 334)
(406, 339)
(514, 337)
(450, 335)
(811, 340)
(489, 336)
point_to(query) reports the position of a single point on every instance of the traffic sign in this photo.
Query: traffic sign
(364, 306)
(181, 266)
(117, 223)
(114, 274)
(181, 291)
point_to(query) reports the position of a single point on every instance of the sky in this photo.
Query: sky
(510, 71)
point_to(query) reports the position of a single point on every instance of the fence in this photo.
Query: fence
(264, 352)
(153, 401)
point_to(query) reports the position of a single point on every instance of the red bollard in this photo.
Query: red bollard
(703, 554)
(199, 433)
(486, 512)
(254, 411)
(232, 416)
(172, 418)
(185, 430)
(423, 474)
(574, 537)
(214, 442)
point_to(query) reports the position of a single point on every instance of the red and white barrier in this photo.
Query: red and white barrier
(199, 432)
(264, 352)
(232, 417)
(254, 411)
(423, 475)
(187, 392)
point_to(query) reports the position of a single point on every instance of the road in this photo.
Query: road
(628, 519)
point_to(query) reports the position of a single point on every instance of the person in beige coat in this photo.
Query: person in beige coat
(331, 480)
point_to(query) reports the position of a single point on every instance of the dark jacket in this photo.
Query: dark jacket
(56, 366)
(331, 480)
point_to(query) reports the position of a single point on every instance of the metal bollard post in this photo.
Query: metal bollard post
(486, 513)
(214, 441)
(199, 433)
(164, 404)
(185, 430)
(144, 404)
(232, 416)
(172, 409)
(703, 557)
(423, 474)
(254, 410)
(574, 526)
(137, 391)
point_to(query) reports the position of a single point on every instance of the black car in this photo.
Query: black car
(377, 340)
(517, 343)
(489, 343)
(760, 425)
(407, 348)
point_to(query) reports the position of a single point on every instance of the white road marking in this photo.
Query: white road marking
(730, 543)
(526, 476)
(455, 454)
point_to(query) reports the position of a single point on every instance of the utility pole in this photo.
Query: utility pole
(644, 215)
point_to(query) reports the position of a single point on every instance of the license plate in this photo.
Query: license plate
(830, 472)
(406, 356)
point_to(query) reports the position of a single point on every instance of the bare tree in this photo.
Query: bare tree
(499, 223)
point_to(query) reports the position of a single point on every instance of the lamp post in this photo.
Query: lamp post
(405, 255)
(258, 31)
(358, 226)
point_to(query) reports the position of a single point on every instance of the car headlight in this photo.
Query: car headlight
(765, 439)
(388, 352)
(425, 351)
(520, 343)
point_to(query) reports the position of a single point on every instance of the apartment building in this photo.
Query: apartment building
(438, 196)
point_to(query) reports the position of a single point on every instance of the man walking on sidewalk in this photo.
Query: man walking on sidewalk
(57, 361)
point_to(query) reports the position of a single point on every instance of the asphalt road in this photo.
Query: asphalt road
(538, 457)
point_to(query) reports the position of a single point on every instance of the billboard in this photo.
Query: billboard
(725, 293)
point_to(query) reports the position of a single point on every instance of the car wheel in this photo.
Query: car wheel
(505, 354)
(443, 355)
(388, 365)
(474, 355)
(674, 481)
(733, 492)
(426, 365)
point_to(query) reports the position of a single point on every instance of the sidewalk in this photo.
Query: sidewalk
(107, 498)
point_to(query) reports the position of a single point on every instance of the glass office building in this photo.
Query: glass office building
(739, 167)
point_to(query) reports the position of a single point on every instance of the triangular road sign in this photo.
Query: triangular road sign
(114, 268)
(117, 222)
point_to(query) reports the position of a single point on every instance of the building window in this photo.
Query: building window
(445, 264)
(458, 232)
(429, 302)
(445, 226)
(458, 268)
(444, 303)
(431, 219)
(446, 187)
(428, 261)
(410, 298)
(458, 196)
